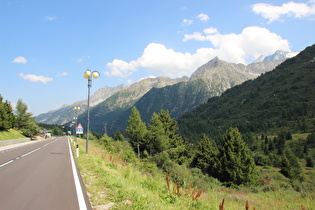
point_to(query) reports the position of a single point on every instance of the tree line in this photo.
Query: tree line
(18, 118)
(159, 141)
(232, 159)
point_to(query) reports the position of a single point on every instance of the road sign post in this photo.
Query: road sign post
(79, 129)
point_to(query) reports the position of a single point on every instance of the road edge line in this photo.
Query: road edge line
(81, 199)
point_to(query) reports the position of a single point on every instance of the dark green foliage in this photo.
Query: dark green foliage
(291, 167)
(310, 140)
(6, 115)
(118, 136)
(206, 156)
(282, 99)
(137, 131)
(106, 142)
(309, 161)
(236, 164)
(57, 131)
(158, 140)
(25, 122)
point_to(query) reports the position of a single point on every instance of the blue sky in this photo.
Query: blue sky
(45, 46)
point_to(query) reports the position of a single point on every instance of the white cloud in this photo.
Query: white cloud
(62, 74)
(273, 13)
(121, 68)
(242, 48)
(19, 59)
(251, 43)
(210, 30)
(35, 78)
(50, 18)
(187, 22)
(157, 59)
(203, 17)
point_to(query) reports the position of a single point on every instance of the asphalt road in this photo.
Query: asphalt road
(40, 176)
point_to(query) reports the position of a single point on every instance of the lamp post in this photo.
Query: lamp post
(88, 74)
(75, 118)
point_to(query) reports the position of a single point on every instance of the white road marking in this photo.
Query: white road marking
(81, 200)
(26, 154)
(4, 164)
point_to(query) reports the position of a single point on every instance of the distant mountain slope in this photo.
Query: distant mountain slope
(110, 110)
(211, 79)
(153, 94)
(279, 99)
(66, 113)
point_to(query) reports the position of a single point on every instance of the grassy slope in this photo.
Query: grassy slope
(111, 182)
(11, 134)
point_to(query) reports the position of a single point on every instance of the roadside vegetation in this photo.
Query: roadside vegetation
(19, 120)
(153, 167)
(117, 179)
(10, 134)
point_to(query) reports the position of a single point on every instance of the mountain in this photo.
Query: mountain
(153, 94)
(106, 112)
(278, 55)
(66, 113)
(278, 100)
(211, 79)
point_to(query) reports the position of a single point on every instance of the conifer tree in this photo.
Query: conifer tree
(236, 162)
(25, 122)
(291, 167)
(6, 115)
(170, 128)
(159, 141)
(178, 150)
(136, 131)
(206, 154)
(118, 136)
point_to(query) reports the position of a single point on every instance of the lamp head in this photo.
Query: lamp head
(87, 74)
(95, 74)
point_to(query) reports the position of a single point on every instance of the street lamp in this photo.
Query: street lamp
(75, 118)
(88, 74)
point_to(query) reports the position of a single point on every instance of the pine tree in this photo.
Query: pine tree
(6, 115)
(159, 141)
(25, 122)
(291, 167)
(118, 136)
(178, 150)
(170, 128)
(206, 154)
(136, 131)
(236, 162)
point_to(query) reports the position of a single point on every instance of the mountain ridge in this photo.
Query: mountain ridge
(178, 96)
(282, 98)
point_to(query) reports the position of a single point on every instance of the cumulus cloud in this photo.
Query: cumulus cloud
(158, 59)
(19, 59)
(251, 43)
(241, 48)
(35, 78)
(273, 13)
(203, 17)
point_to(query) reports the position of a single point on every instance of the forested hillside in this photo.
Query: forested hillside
(280, 100)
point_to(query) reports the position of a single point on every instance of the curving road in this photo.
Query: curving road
(40, 175)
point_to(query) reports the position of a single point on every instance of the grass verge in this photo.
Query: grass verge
(114, 184)
(10, 134)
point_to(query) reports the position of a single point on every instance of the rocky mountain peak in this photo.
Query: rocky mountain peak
(277, 56)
